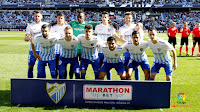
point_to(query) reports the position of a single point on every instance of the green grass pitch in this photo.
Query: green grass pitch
(13, 64)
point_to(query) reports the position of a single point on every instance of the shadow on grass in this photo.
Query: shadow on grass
(5, 98)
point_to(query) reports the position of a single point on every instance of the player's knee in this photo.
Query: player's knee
(128, 76)
(83, 71)
(152, 76)
(76, 71)
(122, 76)
(30, 67)
(101, 75)
(96, 71)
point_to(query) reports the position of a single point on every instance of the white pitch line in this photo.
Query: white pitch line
(161, 109)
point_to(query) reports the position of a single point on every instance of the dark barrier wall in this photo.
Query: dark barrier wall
(144, 94)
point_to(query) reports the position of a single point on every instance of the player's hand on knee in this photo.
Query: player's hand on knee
(37, 56)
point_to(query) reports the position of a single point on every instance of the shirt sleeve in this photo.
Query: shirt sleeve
(96, 29)
(169, 46)
(99, 41)
(28, 29)
(113, 31)
(125, 45)
(189, 30)
(121, 31)
(36, 40)
(168, 30)
(94, 23)
(70, 23)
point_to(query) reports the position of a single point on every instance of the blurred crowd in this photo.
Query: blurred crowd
(177, 2)
(162, 20)
(163, 2)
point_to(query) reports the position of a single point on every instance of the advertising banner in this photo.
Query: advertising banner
(143, 94)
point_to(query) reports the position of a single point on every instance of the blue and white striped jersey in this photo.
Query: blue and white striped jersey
(68, 49)
(34, 29)
(161, 51)
(104, 31)
(58, 30)
(89, 47)
(112, 56)
(137, 52)
(47, 47)
(127, 31)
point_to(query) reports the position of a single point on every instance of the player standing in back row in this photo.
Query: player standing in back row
(46, 54)
(138, 56)
(58, 29)
(68, 53)
(162, 58)
(125, 32)
(78, 28)
(31, 31)
(103, 31)
(90, 52)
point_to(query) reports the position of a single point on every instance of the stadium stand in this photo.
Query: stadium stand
(148, 15)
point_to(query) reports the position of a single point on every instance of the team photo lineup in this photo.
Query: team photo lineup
(99, 55)
(81, 43)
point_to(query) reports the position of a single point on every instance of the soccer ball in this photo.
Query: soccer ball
(198, 55)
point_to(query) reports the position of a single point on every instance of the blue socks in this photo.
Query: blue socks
(96, 75)
(30, 73)
(83, 75)
(137, 74)
(109, 75)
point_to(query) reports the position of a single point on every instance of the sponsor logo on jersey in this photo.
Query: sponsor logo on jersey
(141, 49)
(56, 91)
(109, 30)
(107, 92)
(92, 44)
(72, 45)
(116, 55)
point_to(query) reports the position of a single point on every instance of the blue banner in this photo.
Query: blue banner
(143, 94)
(175, 6)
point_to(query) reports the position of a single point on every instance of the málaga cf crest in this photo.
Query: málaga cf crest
(56, 91)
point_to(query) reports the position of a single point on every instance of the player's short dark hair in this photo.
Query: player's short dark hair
(60, 14)
(80, 11)
(111, 38)
(36, 12)
(45, 26)
(128, 13)
(135, 32)
(104, 12)
(88, 26)
(152, 28)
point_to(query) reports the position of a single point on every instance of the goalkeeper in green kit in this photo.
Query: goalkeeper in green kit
(78, 28)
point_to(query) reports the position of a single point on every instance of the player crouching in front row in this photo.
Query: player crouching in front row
(162, 58)
(112, 58)
(46, 55)
(138, 56)
(89, 50)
